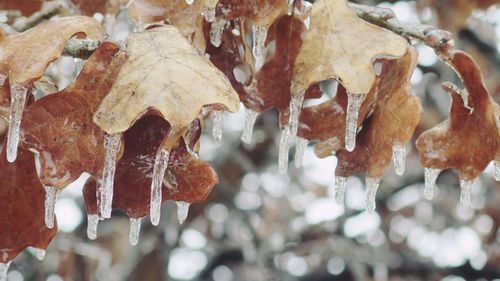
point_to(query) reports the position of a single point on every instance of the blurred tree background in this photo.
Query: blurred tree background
(259, 224)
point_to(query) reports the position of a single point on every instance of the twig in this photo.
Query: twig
(50, 9)
(80, 48)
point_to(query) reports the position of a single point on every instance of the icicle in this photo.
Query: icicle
(135, 230)
(250, 118)
(299, 151)
(465, 194)
(371, 194)
(189, 2)
(105, 189)
(182, 210)
(259, 39)
(51, 194)
(399, 157)
(18, 95)
(295, 107)
(92, 222)
(430, 182)
(218, 125)
(340, 184)
(496, 167)
(290, 7)
(160, 166)
(4, 269)
(216, 31)
(353, 106)
(283, 150)
(209, 14)
(40, 254)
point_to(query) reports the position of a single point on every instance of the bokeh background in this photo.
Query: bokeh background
(259, 224)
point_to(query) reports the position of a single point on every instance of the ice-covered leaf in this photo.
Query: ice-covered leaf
(187, 178)
(341, 45)
(163, 73)
(470, 138)
(22, 216)
(60, 126)
(393, 121)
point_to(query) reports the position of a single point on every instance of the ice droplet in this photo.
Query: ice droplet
(299, 151)
(430, 182)
(160, 166)
(189, 2)
(290, 7)
(353, 106)
(4, 269)
(496, 167)
(40, 254)
(182, 211)
(18, 95)
(371, 194)
(465, 193)
(209, 14)
(399, 157)
(295, 107)
(105, 188)
(250, 118)
(218, 125)
(283, 150)
(92, 222)
(216, 31)
(51, 194)
(135, 230)
(340, 184)
(259, 33)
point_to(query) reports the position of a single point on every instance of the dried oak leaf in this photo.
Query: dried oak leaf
(392, 123)
(341, 46)
(470, 138)
(259, 12)
(26, 7)
(24, 57)
(188, 179)
(23, 197)
(60, 127)
(163, 73)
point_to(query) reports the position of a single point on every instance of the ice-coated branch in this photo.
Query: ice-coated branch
(49, 9)
(438, 39)
(80, 48)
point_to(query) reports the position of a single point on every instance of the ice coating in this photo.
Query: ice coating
(371, 194)
(299, 151)
(430, 182)
(92, 222)
(218, 125)
(340, 185)
(182, 210)
(135, 230)
(399, 157)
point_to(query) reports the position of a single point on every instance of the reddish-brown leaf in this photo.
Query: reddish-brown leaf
(60, 128)
(26, 7)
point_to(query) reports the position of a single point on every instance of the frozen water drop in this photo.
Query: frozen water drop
(4, 269)
(160, 166)
(182, 211)
(218, 125)
(216, 31)
(399, 157)
(92, 222)
(295, 107)
(290, 7)
(105, 188)
(430, 182)
(465, 192)
(250, 118)
(371, 194)
(283, 150)
(209, 14)
(496, 167)
(51, 194)
(353, 106)
(189, 2)
(40, 254)
(340, 184)
(135, 230)
(259, 33)
(18, 95)
(299, 151)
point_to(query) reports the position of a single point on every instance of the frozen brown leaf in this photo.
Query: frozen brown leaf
(339, 45)
(26, 7)
(392, 123)
(163, 73)
(187, 179)
(470, 138)
(22, 217)
(60, 129)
